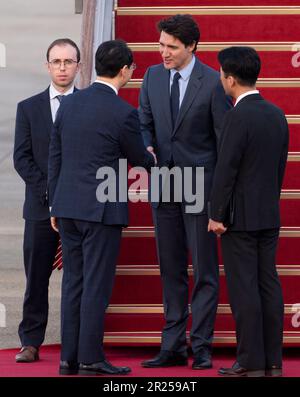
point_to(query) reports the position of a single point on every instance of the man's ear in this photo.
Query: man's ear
(191, 46)
(123, 70)
(47, 67)
(79, 66)
(231, 81)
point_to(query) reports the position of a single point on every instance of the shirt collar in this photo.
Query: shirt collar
(186, 71)
(244, 95)
(53, 91)
(108, 84)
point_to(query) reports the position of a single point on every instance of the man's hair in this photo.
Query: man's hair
(243, 63)
(63, 42)
(183, 27)
(111, 56)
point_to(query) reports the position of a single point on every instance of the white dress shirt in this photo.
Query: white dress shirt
(108, 84)
(244, 95)
(54, 102)
(185, 74)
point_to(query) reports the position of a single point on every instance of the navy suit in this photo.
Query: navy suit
(32, 138)
(191, 143)
(94, 128)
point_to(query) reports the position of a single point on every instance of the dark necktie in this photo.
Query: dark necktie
(175, 97)
(58, 264)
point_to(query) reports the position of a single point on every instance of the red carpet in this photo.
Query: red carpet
(216, 28)
(48, 364)
(270, 65)
(281, 97)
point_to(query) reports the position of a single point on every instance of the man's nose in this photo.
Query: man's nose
(165, 52)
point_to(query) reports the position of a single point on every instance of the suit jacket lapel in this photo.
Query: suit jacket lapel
(165, 97)
(46, 110)
(190, 94)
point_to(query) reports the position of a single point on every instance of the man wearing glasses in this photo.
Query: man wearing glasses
(34, 121)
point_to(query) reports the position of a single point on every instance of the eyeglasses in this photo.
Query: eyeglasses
(67, 63)
(133, 66)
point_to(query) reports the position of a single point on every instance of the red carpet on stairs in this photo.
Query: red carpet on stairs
(132, 357)
(135, 315)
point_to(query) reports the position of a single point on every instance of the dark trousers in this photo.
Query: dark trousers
(177, 234)
(40, 244)
(255, 296)
(90, 251)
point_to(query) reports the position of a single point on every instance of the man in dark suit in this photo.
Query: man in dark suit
(182, 104)
(34, 121)
(245, 197)
(94, 129)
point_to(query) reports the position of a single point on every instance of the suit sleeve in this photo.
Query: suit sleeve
(220, 104)
(233, 146)
(145, 113)
(132, 145)
(54, 162)
(24, 162)
(283, 157)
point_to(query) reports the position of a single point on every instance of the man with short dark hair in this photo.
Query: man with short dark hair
(94, 129)
(245, 211)
(182, 104)
(34, 121)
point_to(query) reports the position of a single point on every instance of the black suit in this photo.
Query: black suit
(249, 173)
(95, 128)
(32, 138)
(191, 143)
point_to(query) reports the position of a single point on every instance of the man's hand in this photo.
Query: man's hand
(54, 223)
(151, 150)
(216, 227)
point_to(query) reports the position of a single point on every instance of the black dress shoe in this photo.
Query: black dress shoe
(68, 368)
(166, 359)
(102, 368)
(202, 360)
(274, 371)
(236, 371)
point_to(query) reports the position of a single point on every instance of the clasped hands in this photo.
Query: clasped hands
(217, 227)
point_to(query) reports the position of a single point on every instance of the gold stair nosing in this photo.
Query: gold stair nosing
(294, 156)
(220, 337)
(293, 118)
(158, 309)
(142, 194)
(278, 82)
(262, 82)
(148, 231)
(283, 270)
(284, 46)
(209, 10)
(288, 194)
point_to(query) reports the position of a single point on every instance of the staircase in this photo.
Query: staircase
(135, 315)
